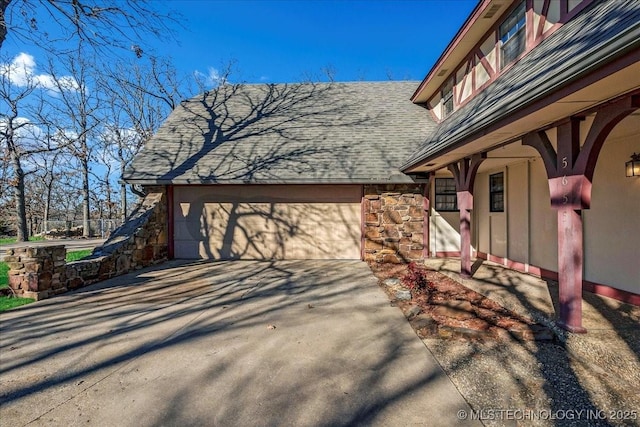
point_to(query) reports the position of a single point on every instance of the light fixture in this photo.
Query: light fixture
(633, 166)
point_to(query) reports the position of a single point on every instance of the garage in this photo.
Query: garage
(262, 222)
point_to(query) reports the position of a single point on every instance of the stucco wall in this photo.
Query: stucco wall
(481, 208)
(612, 225)
(543, 224)
(517, 187)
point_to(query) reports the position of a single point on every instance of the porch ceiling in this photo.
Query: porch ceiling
(551, 111)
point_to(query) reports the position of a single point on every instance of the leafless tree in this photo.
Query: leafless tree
(20, 138)
(105, 194)
(138, 97)
(50, 167)
(100, 24)
(74, 114)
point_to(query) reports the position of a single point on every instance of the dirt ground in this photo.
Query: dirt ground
(451, 310)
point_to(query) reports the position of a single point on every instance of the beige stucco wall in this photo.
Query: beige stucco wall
(444, 227)
(512, 234)
(517, 186)
(481, 210)
(267, 222)
(444, 231)
(543, 225)
(612, 225)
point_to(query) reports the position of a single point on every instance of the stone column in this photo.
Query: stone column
(393, 222)
(37, 273)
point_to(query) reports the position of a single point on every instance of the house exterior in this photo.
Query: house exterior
(291, 171)
(513, 149)
(537, 109)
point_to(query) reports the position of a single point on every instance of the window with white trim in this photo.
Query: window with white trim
(446, 195)
(513, 35)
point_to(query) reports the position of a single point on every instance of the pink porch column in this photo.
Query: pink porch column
(570, 172)
(464, 173)
(570, 265)
(465, 204)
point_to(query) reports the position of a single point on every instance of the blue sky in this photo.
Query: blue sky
(291, 40)
(285, 41)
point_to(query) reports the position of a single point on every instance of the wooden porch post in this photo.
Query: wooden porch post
(464, 173)
(570, 174)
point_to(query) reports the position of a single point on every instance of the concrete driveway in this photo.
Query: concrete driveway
(298, 343)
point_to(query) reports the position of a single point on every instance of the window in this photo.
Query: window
(446, 195)
(496, 192)
(447, 98)
(512, 36)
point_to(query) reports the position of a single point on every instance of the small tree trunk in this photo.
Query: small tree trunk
(85, 199)
(123, 194)
(47, 208)
(21, 212)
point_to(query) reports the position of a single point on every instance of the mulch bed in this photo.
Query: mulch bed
(451, 310)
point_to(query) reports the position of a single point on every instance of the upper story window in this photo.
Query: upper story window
(447, 98)
(512, 35)
(509, 38)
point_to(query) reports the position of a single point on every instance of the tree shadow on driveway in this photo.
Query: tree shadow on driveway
(222, 343)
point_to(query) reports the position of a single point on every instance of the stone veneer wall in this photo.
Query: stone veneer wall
(393, 222)
(41, 272)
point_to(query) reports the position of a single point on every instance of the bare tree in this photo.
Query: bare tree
(74, 110)
(20, 138)
(105, 194)
(138, 97)
(50, 167)
(122, 24)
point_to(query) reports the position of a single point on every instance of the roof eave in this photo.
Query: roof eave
(475, 15)
(496, 123)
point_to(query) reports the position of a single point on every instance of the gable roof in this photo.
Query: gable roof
(603, 32)
(286, 133)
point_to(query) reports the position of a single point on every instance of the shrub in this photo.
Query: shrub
(416, 279)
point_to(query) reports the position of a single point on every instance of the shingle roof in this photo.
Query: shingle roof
(287, 133)
(600, 33)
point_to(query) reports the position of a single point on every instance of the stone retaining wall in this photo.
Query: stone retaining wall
(37, 272)
(42, 272)
(393, 222)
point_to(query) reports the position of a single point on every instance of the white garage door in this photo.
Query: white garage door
(267, 222)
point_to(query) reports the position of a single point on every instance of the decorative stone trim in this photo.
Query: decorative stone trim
(141, 241)
(37, 273)
(393, 222)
